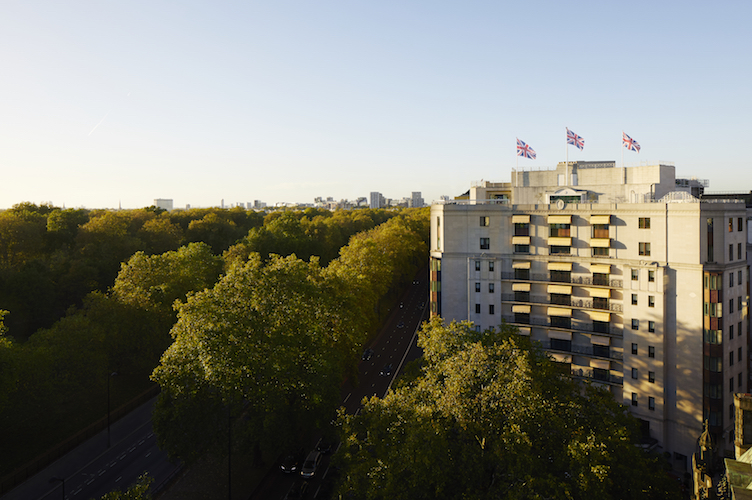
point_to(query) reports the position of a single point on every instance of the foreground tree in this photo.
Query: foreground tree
(489, 417)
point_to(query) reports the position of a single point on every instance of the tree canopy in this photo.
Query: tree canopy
(490, 417)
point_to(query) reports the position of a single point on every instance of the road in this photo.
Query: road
(395, 345)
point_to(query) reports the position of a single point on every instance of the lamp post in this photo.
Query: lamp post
(55, 479)
(113, 374)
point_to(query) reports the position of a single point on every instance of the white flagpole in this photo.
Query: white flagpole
(622, 149)
(566, 146)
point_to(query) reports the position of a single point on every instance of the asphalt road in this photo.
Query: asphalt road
(395, 345)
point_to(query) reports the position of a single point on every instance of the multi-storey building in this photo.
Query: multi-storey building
(625, 281)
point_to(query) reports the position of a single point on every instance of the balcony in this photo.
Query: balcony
(575, 280)
(576, 325)
(596, 375)
(582, 303)
(581, 350)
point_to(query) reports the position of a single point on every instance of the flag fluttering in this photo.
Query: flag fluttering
(524, 150)
(629, 143)
(575, 140)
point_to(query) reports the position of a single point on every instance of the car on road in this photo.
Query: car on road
(386, 371)
(297, 490)
(291, 463)
(367, 354)
(324, 446)
(401, 324)
(312, 462)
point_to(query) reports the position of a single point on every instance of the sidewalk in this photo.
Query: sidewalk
(39, 486)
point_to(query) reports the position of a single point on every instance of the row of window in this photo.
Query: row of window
(651, 299)
(636, 350)
(651, 375)
(738, 251)
(715, 363)
(739, 224)
(714, 309)
(636, 326)
(651, 401)
(491, 309)
(716, 336)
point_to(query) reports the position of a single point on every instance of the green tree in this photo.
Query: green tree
(216, 231)
(159, 235)
(137, 491)
(277, 336)
(490, 418)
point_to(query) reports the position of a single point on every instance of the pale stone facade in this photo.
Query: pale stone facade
(630, 296)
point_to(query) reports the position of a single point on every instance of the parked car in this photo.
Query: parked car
(386, 371)
(312, 462)
(324, 446)
(291, 463)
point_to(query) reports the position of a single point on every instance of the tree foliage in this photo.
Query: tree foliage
(490, 418)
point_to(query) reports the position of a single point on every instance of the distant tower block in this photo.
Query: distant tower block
(163, 203)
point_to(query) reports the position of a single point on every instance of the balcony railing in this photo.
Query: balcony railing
(575, 280)
(577, 325)
(591, 351)
(573, 302)
(590, 374)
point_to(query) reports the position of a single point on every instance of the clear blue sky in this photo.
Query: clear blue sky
(104, 103)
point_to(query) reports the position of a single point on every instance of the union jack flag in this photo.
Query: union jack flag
(524, 150)
(575, 140)
(629, 143)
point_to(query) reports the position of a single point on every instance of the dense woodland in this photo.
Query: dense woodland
(85, 293)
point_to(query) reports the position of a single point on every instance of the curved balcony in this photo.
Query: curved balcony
(576, 325)
(575, 280)
(603, 352)
(582, 303)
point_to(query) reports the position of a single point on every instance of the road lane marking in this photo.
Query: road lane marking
(348, 396)
(118, 479)
(148, 454)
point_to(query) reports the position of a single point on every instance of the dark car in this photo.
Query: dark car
(291, 462)
(401, 324)
(297, 490)
(367, 354)
(386, 371)
(312, 462)
(324, 446)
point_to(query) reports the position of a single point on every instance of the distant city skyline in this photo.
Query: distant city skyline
(114, 104)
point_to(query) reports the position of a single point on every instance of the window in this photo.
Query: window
(739, 355)
(561, 276)
(713, 391)
(651, 403)
(710, 240)
(731, 225)
(731, 358)
(634, 399)
(522, 229)
(521, 248)
(644, 223)
(558, 250)
(634, 373)
(731, 252)
(739, 303)
(635, 324)
(521, 296)
(634, 349)
(490, 309)
(558, 230)
(644, 249)
(635, 274)
(739, 278)
(490, 288)
(731, 411)
(600, 231)
(561, 344)
(713, 336)
(477, 287)
(490, 266)
(731, 280)
(651, 300)
(713, 363)
(600, 251)
(522, 274)
(477, 265)
(484, 221)
(740, 224)
(731, 332)
(739, 251)
(651, 326)
(731, 384)
(651, 276)
(739, 328)
(602, 351)
(485, 243)
(651, 351)
(477, 308)
(651, 377)
(731, 306)
(634, 299)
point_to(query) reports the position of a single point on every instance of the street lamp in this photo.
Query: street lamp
(113, 374)
(55, 479)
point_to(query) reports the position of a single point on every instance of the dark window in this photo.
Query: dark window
(739, 354)
(600, 279)
(634, 399)
(731, 384)
(558, 250)
(651, 276)
(731, 332)
(644, 249)
(521, 229)
(731, 306)
(635, 324)
(739, 251)
(522, 274)
(477, 308)
(600, 303)
(600, 251)
(520, 296)
(490, 266)
(523, 318)
(561, 344)
(477, 287)
(651, 403)
(740, 224)
(634, 299)
(635, 274)
(558, 230)
(731, 411)
(713, 363)
(644, 223)
(651, 326)
(651, 300)
(651, 377)
(714, 336)
(634, 373)
(561, 276)
(600, 374)
(600, 326)
(477, 265)
(731, 358)
(713, 391)
(731, 225)
(485, 243)
(739, 303)
(731, 280)
(601, 350)
(731, 252)
(490, 309)
(521, 248)
(484, 221)
(561, 322)
(561, 299)
(490, 288)
(634, 348)
(710, 240)
(651, 351)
